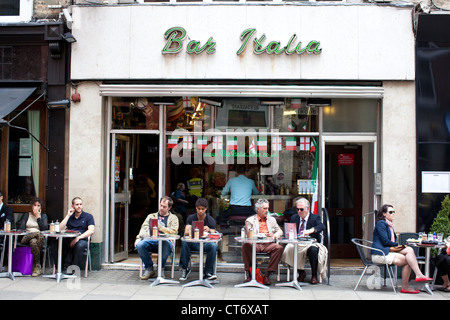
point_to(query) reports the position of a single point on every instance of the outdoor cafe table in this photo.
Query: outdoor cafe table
(10, 274)
(60, 235)
(296, 242)
(200, 281)
(428, 248)
(253, 241)
(160, 279)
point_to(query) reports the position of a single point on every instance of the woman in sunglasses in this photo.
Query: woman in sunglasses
(385, 239)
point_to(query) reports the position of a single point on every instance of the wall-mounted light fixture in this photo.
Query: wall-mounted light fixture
(69, 37)
(58, 104)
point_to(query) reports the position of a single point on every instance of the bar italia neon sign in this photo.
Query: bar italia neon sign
(175, 37)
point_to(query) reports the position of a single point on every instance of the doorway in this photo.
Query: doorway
(343, 197)
(134, 188)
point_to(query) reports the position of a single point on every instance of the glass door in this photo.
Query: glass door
(120, 196)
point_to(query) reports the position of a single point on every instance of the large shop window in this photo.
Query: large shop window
(208, 140)
(25, 176)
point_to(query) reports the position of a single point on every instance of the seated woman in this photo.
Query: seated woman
(384, 238)
(34, 223)
(443, 265)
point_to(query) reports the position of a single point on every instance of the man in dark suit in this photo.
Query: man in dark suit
(308, 225)
(6, 213)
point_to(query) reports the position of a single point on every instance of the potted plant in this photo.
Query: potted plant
(441, 223)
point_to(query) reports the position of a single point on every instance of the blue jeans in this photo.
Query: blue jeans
(144, 247)
(209, 248)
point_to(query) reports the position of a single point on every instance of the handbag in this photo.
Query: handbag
(259, 275)
(22, 260)
(397, 248)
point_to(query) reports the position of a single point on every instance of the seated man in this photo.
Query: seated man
(74, 248)
(262, 223)
(307, 225)
(168, 224)
(201, 206)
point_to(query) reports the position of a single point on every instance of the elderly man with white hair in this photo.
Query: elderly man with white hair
(311, 225)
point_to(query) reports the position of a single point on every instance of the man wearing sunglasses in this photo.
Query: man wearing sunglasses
(308, 225)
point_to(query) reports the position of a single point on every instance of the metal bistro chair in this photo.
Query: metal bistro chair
(362, 244)
(172, 256)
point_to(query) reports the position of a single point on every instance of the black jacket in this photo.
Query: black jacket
(314, 220)
(42, 222)
(6, 213)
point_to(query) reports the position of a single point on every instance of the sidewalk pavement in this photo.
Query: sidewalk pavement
(125, 285)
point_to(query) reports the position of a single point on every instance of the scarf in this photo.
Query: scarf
(391, 227)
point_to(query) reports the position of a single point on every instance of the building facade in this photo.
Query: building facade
(318, 98)
(33, 79)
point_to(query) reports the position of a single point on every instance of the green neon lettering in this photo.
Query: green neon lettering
(245, 36)
(258, 45)
(314, 47)
(291, 39)
(174, 37)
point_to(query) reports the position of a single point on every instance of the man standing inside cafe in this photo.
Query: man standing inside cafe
(261, 222)
(308, 225)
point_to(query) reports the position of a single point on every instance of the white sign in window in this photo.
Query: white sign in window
(435, 182)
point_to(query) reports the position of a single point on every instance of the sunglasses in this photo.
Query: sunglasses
(391, 212)
(300, 209)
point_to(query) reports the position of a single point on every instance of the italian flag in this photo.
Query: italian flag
(202, 142)
(172, 143)
(314, 175)
(296, 103)
(262, 143)
(231, 143)
(291, 143)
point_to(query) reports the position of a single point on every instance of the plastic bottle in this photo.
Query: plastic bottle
(243, 233)
(57, 226)
(196, 233)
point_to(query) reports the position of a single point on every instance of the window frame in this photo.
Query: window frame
(25, 13)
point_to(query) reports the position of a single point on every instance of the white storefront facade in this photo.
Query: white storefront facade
(349, 67)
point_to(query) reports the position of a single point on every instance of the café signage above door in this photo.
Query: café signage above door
(175, 37)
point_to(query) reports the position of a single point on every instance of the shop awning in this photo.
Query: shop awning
(11, 98)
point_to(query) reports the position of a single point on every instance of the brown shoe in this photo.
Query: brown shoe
(266, 280)
(314, 280)
(301, 275)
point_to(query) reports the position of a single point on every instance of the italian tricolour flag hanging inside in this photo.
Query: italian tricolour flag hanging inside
(314, 174)
(202, 142)
(173, 141)
(231, 143)
(262, 143)
(291, 143)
